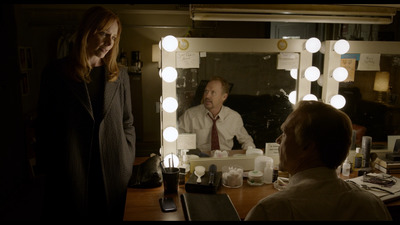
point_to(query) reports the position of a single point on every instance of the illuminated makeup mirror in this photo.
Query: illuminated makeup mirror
(197, 59)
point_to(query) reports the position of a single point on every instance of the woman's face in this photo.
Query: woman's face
(101, 42)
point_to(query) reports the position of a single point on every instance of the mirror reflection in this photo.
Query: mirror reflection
(259, 92)
(375, 111)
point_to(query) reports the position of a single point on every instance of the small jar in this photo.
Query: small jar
(255, 178)
(232, 176)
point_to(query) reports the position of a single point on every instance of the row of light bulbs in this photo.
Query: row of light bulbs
(312, 73)
(169, 104)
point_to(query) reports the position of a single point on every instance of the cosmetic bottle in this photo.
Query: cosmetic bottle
(357, 159)
(346, 168)
(366, 144)
(269, 171)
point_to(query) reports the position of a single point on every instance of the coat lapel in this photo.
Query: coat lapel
(109, 93)
(81, 93)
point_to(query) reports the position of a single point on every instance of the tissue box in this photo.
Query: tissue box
(191, 184)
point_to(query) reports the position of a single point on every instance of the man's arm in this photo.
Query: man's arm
(242, 136)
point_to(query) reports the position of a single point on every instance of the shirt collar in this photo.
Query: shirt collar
(317, 173)
(221, 114)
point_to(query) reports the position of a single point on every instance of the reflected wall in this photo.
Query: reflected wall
(259, 91)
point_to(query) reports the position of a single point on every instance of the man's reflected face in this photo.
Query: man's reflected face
(214, 96)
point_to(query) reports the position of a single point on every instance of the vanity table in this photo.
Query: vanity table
(142, 204)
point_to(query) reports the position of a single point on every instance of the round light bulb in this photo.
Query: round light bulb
(310, 97)
(169, 74)
(340, 74)
(338, 101)
(292, 97)
(313, 45)
(169, 43)
(174, 160)
(293, 73)
(170, 134)
(160, 73)
(170, 104)
(341, 46)
(312, 73)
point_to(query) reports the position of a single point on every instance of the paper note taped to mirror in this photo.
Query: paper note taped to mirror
(288, 61)
(187, 60)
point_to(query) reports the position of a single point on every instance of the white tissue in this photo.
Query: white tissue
(233, 177)
(220, 154)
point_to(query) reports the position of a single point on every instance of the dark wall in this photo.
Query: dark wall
(13, 163)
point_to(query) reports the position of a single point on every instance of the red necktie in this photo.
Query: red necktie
(214, 134)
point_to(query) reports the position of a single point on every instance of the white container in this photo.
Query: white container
(232, 176)
(346, 168)
(254, 151)
(269, 171)
(260, 162)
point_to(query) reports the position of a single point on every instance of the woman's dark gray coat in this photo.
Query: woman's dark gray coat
(65, 125)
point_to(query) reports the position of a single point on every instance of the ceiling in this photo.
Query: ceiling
(174, 7)
(72, 12)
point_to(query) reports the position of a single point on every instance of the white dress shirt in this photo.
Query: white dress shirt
(229, 124)
(318, 194)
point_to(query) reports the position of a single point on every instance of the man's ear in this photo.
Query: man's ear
(225, 96)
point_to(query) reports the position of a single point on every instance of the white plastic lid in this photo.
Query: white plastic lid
(255, 173)
(254, 151)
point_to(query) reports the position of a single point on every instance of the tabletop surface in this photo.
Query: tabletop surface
(142, 203)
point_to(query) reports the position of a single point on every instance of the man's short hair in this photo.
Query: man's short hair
(329, 128)
(225, 85)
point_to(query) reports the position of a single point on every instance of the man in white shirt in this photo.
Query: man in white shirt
(315, 140)
(229, 123)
